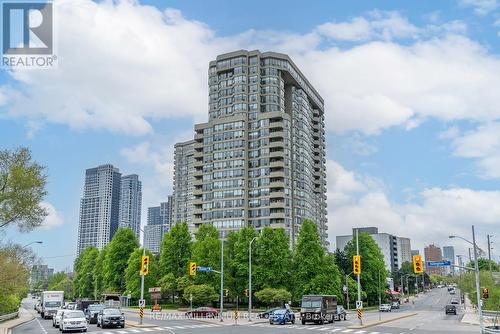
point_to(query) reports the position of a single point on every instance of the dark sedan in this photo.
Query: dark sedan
(203, 312)
(110, 317)
(92, 311)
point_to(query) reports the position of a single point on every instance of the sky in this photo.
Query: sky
(410, 89)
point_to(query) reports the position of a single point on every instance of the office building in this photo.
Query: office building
(396, 250)
(449, 255)
(414, 252)
(183, 183)
(433, 253)
(131, 203)
(40, 275)
(99, 207)
(159, 223)
(260, 159)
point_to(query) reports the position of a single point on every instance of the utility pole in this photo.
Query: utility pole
(379, 297)
(470, 256)
(250, 279)
(347, 291)
(222, 277)
(142, 282)
(478, 294)
(489, 251)
(359, 279)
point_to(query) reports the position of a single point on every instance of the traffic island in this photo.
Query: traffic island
(379, 322)
(136, 324)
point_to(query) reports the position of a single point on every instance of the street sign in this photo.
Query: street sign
(204, 268)
(155, 295)
(359, 304)
(142, 302)
(443, 263)
(344, 288)
(155, 289)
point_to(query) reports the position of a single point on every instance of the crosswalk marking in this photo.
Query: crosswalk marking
(347, 330)
(147, 329)
(179, 327)
(360, 332)
(122, 332)
(336, 329)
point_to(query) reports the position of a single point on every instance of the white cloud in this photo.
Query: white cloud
(481, 7)
(431, 216)
(483, 144)
(53, 219)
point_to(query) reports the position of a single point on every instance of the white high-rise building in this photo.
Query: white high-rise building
(131, 203)
(159, 223)
(183, 183)
(99, 207)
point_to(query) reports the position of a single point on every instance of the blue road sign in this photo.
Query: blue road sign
(204, 269)
(438, 263)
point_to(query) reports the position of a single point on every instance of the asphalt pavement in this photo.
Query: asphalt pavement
(430, 319)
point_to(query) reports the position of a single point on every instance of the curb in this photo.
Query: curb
(135, 324)
(375, 323)
(6, 328)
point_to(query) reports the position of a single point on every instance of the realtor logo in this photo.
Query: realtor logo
(27, 34)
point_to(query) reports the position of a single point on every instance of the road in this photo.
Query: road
(430, 319)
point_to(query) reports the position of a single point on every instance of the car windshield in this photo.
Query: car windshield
(311, 303)
(95, 307)
(279, 312)
(111, 311)
(52, 304)
(78, 314)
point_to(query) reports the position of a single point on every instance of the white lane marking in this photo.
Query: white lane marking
(347, 330)
(323, 329)
(147, 329)
(179, 327)
(359, 332)
(157, 328)
(336, 329)
(122, 332)
(133, 330)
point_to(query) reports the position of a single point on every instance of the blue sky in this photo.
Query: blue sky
(410, 90)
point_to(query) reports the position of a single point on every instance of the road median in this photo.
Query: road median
(379, 322)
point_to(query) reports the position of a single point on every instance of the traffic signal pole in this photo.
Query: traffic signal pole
(359, 280)
(478, 294)
(221, 278)
(142, 282)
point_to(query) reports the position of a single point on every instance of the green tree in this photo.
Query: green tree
(206, 253)
(372, 261)
(485, 264)
(119, 249)
(343, 262)
(202, 294)
(62, 282)
(272, 259)
(22, 189)
(239, 260)
(327, 281)
(84, 280)
(132, 277)
(99, 282)
(55, 279)
(168, 286)
(175, 250)
(273, 297)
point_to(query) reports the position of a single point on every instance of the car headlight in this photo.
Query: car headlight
(122, 318)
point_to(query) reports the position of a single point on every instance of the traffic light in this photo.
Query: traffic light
(356, 264)
(144, 265)
(418, 267)
(486, 293)
(192, 268)
(246, 292)
(226, 292)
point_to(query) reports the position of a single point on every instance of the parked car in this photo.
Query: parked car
(70, 306)
(395, 305)
(56, 319)
(73, 320)
(385, 308)
(282, 316)
(450, 309)
(452, 292)
(454, 301)
(110, 317)
(341, 313)
(267, 313)
(203, 312)
(37, 307)
(92, 311)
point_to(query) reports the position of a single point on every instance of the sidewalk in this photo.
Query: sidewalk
(24, 316)
(471, 315)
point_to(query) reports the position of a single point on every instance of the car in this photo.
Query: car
(450, 309)
(454, 301)
(395, 305)
(110, 317)
(73, 320)
(267, 313)
(385, 308)
(70, 306)
(341, 313)
(203, 312)
(56, 319)
(452, 292)
(281, 316)
(92, 311)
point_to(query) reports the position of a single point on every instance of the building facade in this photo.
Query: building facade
(433, 253)
(131, 203)
(99, 207)
(260, 159)
(159, 223)
(40, 275)
(183, 183)
(449, 254)
(396, 250)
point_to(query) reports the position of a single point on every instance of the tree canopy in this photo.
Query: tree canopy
(175, 250)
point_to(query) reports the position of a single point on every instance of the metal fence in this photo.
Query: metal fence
(6, 317)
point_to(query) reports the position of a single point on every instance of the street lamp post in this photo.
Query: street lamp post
(250, 278)
(31, 243)
(476, 269)
(347, 288)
